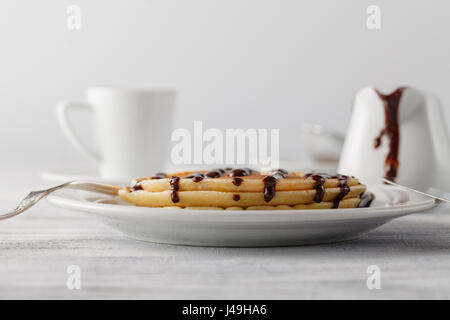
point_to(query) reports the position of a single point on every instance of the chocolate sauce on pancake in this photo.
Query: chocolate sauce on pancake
(270, 183)
(216, 173)
(196, 177)
(345, 189)
(236, 197)
(366, 199)
(241, 172)
(319, 186)
(269, 187)
(391, 131)
(237, 181)
(280, 172)
(174, 187)
(159, 175)
(236, 173)
(137, 186)
(320, 179)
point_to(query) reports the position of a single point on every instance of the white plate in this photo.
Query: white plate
(245, 228)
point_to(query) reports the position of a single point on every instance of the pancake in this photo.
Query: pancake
(236, 189)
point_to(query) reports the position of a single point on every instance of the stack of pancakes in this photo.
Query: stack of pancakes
(237, 189)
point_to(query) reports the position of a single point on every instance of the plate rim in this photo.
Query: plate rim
(342, 214)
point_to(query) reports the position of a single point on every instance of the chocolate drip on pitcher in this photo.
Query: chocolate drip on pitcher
(391, 131)
(174, 187)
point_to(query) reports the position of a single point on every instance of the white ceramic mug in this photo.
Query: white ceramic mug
(132, 128)
(424, 145)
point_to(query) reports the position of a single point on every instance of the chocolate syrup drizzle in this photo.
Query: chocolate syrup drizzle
(159, 175)
(319, 186)
(366, 199)
(320, 179)
(137, 186)
(237, 181)
(241, 172)
(236, 173)
(174, 187)
(345, 189)
(216, 173)
(196, 177)
(270, 183)
(391, 131)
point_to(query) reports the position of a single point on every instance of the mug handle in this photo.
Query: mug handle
(62, 116)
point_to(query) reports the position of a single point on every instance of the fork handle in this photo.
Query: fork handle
(94, 187)
(35, 196)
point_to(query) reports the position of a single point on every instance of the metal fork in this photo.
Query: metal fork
(33, 197)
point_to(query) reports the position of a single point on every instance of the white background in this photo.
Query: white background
(236, 63)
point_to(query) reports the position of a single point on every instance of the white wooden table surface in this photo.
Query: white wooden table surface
(413, 254)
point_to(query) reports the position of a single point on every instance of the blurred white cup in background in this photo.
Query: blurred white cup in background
(132, 128)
